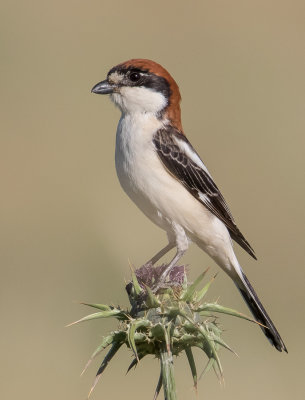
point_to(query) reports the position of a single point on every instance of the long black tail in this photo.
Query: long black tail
(259, 313)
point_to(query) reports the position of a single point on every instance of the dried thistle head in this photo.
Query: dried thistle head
(168, 322)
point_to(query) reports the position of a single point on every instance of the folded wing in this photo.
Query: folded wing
(182, 161)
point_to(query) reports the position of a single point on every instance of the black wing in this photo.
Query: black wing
(177, 155)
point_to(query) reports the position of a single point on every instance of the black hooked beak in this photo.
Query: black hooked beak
(103, 87)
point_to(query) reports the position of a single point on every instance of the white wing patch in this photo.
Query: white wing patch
(184, 146)
(203, 197)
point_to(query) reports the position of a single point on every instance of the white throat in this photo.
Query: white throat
(132, 100)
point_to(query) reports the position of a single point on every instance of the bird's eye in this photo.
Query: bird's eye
(134, 76)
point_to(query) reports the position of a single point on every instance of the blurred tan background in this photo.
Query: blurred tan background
(67, 229)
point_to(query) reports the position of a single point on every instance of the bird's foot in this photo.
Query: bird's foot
(161, 284)
(170, 277)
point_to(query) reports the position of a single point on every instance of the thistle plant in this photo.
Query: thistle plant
(164, 322)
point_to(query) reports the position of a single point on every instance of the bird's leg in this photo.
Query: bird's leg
(161, 253)
(182, 243)
(167, 270)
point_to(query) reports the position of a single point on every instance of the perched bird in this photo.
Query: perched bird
(164, 176)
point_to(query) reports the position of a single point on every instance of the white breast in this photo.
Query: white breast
(136, 159)
(144, 178)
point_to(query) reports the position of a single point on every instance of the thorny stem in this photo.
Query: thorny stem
(167, 372)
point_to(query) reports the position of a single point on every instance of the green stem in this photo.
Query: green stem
(167, 372)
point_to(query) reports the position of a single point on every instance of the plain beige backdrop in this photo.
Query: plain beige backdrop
(67, 229)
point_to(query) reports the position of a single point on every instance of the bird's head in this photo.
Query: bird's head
(143, 86)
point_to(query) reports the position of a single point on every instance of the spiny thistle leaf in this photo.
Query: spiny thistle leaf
(116, 336)
(190, 357)
(133, 326)
(224, 310)
(107, 340)
(131, 332)
(208, 344)
(140, 337)
(102, 307)
(187, 296)
(220, 377)
(102, 314)
(158, 388)
(211, 348)
(207, 367)
(218, 340)
(157, 331)
(200, 295)
(151, 300)
(135, 282)
(213, 327)
(211, 364)
(187, 340)
(115, 347)
(135, 361)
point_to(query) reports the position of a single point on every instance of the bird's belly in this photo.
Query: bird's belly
(135, 161)
(138, 183)
(159, 195)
